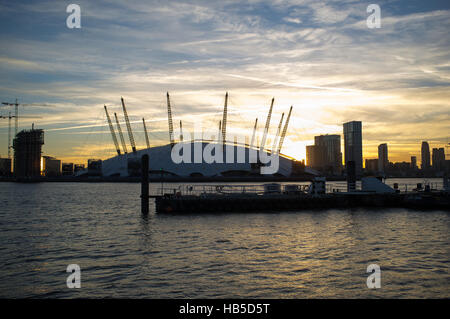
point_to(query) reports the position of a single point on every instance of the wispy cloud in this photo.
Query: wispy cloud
(318, 56)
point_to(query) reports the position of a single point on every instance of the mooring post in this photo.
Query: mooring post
(144, 185)
(351, 176)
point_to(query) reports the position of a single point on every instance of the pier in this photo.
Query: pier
(274, 197)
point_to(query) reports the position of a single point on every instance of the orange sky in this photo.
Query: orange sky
(319, 57)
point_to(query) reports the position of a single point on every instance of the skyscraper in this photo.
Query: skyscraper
(414, 162)
(383, 160)
(353, 144)
(438, 159)
(425, 152)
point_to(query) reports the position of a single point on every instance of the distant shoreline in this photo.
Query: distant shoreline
(72, 179)
(172, 179)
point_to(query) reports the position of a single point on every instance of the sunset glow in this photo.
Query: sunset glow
(320, 58)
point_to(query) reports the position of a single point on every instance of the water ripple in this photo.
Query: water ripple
(283, 255)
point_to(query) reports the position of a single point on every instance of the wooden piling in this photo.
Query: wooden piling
(144, 185)
(351, 176)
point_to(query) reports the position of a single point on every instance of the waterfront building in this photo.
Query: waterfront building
(414, 162)
(371, 165)
(438, 159)
(425, 152)
(5, 166)
(95, 167)
(330, 152)
(78, 167)
(383, 160)
(311, 156)
(51, 166)
(67, 169)
(325, 155)
(353, 145)
(27, 147)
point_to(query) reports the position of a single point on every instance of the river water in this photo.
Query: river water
(310, 254)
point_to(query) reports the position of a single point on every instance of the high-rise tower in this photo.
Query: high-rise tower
(425, 152)
(353, 145)
(383, 160)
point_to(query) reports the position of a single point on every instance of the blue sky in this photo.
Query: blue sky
(316, 55)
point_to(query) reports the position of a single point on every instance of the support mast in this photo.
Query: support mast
(275, 141)
(169, 117)
(124, 146)
(116, 144)
(283, 135)
(146, 133)
(181, 132)
(224, 120)
(127, 121)
(254, 133)
(266, 128)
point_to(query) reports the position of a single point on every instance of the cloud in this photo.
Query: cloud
(292, 20)
(318, 56)
(11, 63)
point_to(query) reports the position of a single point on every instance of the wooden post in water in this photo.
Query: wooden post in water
(144, 185)
(351, 176)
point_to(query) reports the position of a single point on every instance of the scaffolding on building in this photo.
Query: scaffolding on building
(27, 147)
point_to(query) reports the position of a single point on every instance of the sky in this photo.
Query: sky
(318, 56)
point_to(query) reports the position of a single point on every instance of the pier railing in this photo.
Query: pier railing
(229, 189)
(212, 189)
(331, 187)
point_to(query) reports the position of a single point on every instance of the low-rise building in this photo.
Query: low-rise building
(78, 167)
(67, 169)
(325, 155)
(51, 166)
(5, 166)
(371, 166)
(95, 167)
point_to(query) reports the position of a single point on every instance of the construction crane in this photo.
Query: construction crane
(275, 140)
(124, 146)
(9, 117)
(254, 133)
(266, 128)
(146, 134)
(224, 120)
(127, 121)
(169, 116)
(181, 132)
(9, 132)
(16, 113)
(111, 128)
(280, 145)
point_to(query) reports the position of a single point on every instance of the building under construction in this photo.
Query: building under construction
(27, 153)
(5, 167)
(160, 162)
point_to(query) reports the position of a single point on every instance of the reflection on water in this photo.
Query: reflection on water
(45, 227)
